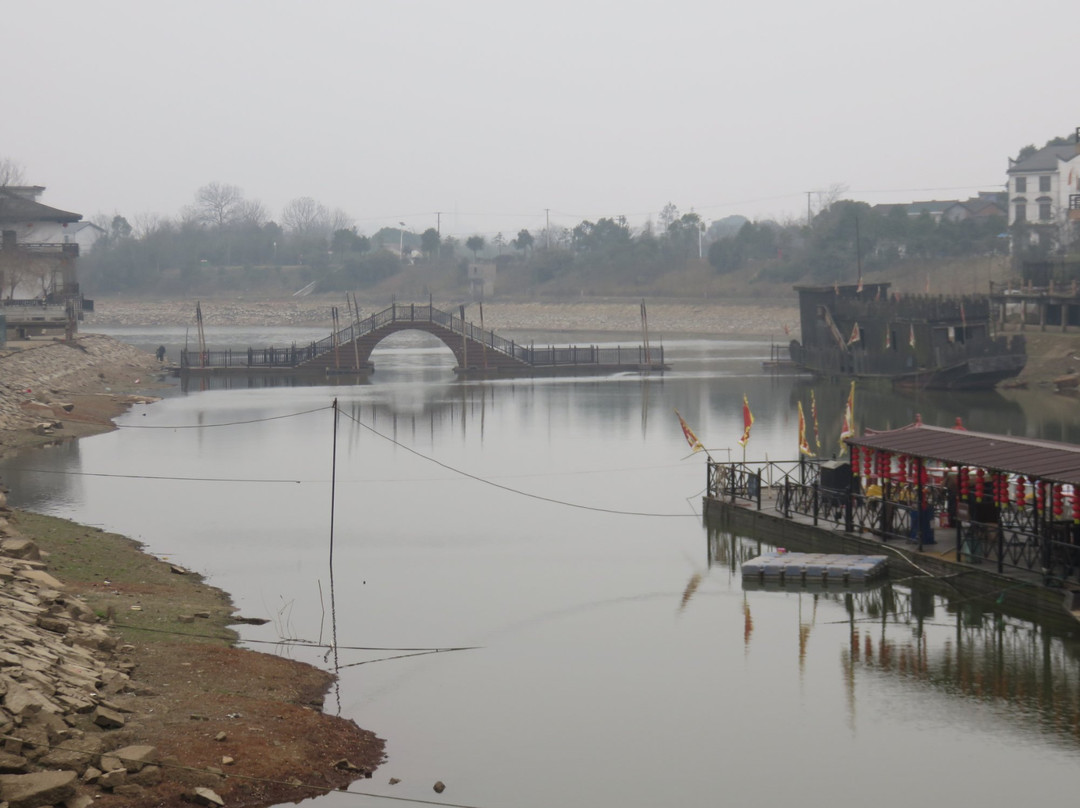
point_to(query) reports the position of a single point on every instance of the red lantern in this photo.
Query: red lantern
(963, 482)
(1057, 496)
(901, 470)
(866, 463)
(980, 484)
(1076, 505)
(886, 465)
(1040, 496)
(855, 459)
(1021, 493)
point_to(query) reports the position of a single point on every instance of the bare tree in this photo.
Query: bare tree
(340, 220)
(217, 203)
(250, 212)
(11, 172)
(305, 217)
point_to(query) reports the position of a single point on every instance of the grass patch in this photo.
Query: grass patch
(141, 596)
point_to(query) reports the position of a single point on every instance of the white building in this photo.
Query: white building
(1044, 193)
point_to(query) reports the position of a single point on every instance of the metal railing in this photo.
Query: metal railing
(1022, 538)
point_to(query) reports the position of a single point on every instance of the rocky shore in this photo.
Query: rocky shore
(119, 682)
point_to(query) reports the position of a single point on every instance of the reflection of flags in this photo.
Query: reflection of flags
(688, 433)
(787, 331)
(813, 417)
(911, 338)
(888, 337)
(963, 319)
(859, 287)
(804, 447)
(847, 429)
(747, 421)
(836, 288)
(927, 283)
(854, 335)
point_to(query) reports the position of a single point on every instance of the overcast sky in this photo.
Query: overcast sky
(492, 112)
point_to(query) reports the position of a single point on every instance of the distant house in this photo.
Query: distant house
(40, 245)
(986, 204)
(1044, 192)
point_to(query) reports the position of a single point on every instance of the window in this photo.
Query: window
(1021, 185)
(1044, 184)
(1045, 212)
(1021, 213)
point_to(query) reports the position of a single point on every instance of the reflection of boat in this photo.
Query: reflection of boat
(919, 341)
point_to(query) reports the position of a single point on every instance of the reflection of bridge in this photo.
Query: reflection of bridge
(477, 351)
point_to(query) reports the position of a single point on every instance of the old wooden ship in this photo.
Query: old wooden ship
(864, 331)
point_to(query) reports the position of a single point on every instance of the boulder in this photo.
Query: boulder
(131, 758)
(207, 796)
(37, 789)
(108, 719)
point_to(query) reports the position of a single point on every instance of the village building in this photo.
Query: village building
(1044, 194)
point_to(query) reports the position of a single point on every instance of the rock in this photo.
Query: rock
(227, 761)
(12, 764)
(41, 578)
(439, 787)
(91, 774)
(132, 758)
(394, 781)
(37, 789)
(66, 406)
(185, 618)
(112, 779)
(108, 719)
(147, 776)
(53, 624)
(19, 547)
(79, 801)
(221, 736)
(207, 796)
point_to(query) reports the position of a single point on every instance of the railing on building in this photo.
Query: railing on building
(1022, 538)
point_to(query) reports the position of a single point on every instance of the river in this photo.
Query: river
(552, 527)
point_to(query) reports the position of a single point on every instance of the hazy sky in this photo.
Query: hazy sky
(492, 112)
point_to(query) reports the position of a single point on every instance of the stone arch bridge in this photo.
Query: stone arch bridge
(478, 351)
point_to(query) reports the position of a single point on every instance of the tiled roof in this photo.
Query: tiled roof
(16, 208)
(1045, 159)
(1039, 459)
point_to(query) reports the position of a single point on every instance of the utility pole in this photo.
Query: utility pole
(808, 207)
(438, 222)
(547, 228)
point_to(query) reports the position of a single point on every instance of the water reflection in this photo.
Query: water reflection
(1028, 673)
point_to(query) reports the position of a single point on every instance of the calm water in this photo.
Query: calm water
(555, 525)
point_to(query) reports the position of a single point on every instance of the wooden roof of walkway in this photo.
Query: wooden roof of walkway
(1038, 459)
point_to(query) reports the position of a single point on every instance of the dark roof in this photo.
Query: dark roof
(1045, 159)
(17, 208)
(1040, 459)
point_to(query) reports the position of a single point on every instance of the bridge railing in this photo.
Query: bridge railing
(398, 312)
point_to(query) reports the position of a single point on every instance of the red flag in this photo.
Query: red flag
(747, 420)
(688, 433)
(804, 446)
(813, 417)
(854, 335)
(848, 427)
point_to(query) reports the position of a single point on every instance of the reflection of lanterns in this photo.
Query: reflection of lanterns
(980, 484)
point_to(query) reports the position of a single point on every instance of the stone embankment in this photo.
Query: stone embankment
(39, 379)
(63, 679)
(667, 317)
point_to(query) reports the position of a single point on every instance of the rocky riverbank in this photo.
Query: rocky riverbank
(119, 685)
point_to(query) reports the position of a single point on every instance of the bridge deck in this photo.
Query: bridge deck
(478, 351)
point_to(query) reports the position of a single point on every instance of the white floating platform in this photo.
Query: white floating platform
(812, 569)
